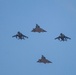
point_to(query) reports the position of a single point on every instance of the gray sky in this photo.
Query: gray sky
(19, 57)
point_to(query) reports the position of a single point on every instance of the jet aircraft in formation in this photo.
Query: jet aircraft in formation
(44, 60)
(38, 29)
(19, 35)
(62, 37)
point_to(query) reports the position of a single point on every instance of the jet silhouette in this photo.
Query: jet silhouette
(62, 37)
(19, 35)
(38, 29)
(44, 60)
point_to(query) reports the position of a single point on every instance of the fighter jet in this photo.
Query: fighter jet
(38, 29)
(19, 35)
(44, 60)
(62, 37)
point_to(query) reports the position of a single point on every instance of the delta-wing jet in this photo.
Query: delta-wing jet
(38, 29)
(62, 37)
(44, 60)
(19, 35)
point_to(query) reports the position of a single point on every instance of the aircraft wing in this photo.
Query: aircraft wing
(58, 38)
(42, 30)
(39, 61)
(47, 61)
(34, 30)
(25, 36)
(67, 37)
(15, 36)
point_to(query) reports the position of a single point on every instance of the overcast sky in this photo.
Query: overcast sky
(19, 57)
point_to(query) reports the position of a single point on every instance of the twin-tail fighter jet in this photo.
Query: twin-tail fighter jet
(38, 29)
(62, 37)
(19, 35)
(44, 60)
